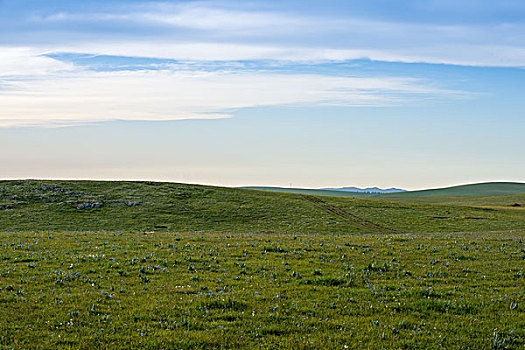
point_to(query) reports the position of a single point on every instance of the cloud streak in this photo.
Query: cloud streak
(179, 30)
(63, 94)
(39, 87)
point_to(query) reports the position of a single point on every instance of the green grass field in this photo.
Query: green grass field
(204, 290)
(311, 192)
(142, 206)
(510, 201)
(161, 265)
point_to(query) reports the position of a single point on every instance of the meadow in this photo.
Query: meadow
(171, 207)
(205, 290)
(159, 265)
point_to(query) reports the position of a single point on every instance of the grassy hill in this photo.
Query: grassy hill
(499, 195)
(509, 201)
(337, 273)
(308, 191)
(146, 206)
(485, 189)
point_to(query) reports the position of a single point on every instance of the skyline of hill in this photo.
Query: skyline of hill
(143, 206)
(484, 188)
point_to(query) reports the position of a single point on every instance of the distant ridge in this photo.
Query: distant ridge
(372, 190)
(479, 189)
(311, 192)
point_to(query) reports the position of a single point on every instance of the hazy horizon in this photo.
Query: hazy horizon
(252, 185)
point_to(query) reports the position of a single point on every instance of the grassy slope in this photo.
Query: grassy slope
(309, 191)
(498, 195)
(509, 201)
(212, 290)
(487, 189)
(181, 207)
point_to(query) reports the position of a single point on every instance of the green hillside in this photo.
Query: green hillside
(486, 189)
(508, 201)
(308, 191)
(145, 206)
(81, 268)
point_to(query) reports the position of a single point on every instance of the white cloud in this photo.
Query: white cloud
(28, 62)
(60, 95)
(38, 90)
(201, 16)
(465, 55)
(213, 32)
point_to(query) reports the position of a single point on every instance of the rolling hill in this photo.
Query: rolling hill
(485, 189)
(308, 191)
(40, 205)
(505, 201)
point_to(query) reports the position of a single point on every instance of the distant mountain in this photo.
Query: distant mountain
(366, 190)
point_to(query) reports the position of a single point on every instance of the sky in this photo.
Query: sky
(411, 94)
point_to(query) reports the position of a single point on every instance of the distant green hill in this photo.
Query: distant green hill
(486, 189)
(308, 191)
(507, 201)
(49, 205)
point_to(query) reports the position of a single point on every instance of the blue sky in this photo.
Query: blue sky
(410, 94)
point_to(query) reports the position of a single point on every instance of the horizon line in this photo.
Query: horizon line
(246, 186)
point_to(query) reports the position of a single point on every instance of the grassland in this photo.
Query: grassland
(203, 290)
(162, 265)
(510, 201)
(145, 207)
(311, 192)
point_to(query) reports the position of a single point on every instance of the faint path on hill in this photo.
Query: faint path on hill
(347, 215)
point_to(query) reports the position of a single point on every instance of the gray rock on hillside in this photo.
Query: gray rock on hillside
(89, 206)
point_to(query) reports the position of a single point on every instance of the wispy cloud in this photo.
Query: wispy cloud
(182, 30)
(165, 45)
(64, 94)
(18, 62)
(195, 15)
